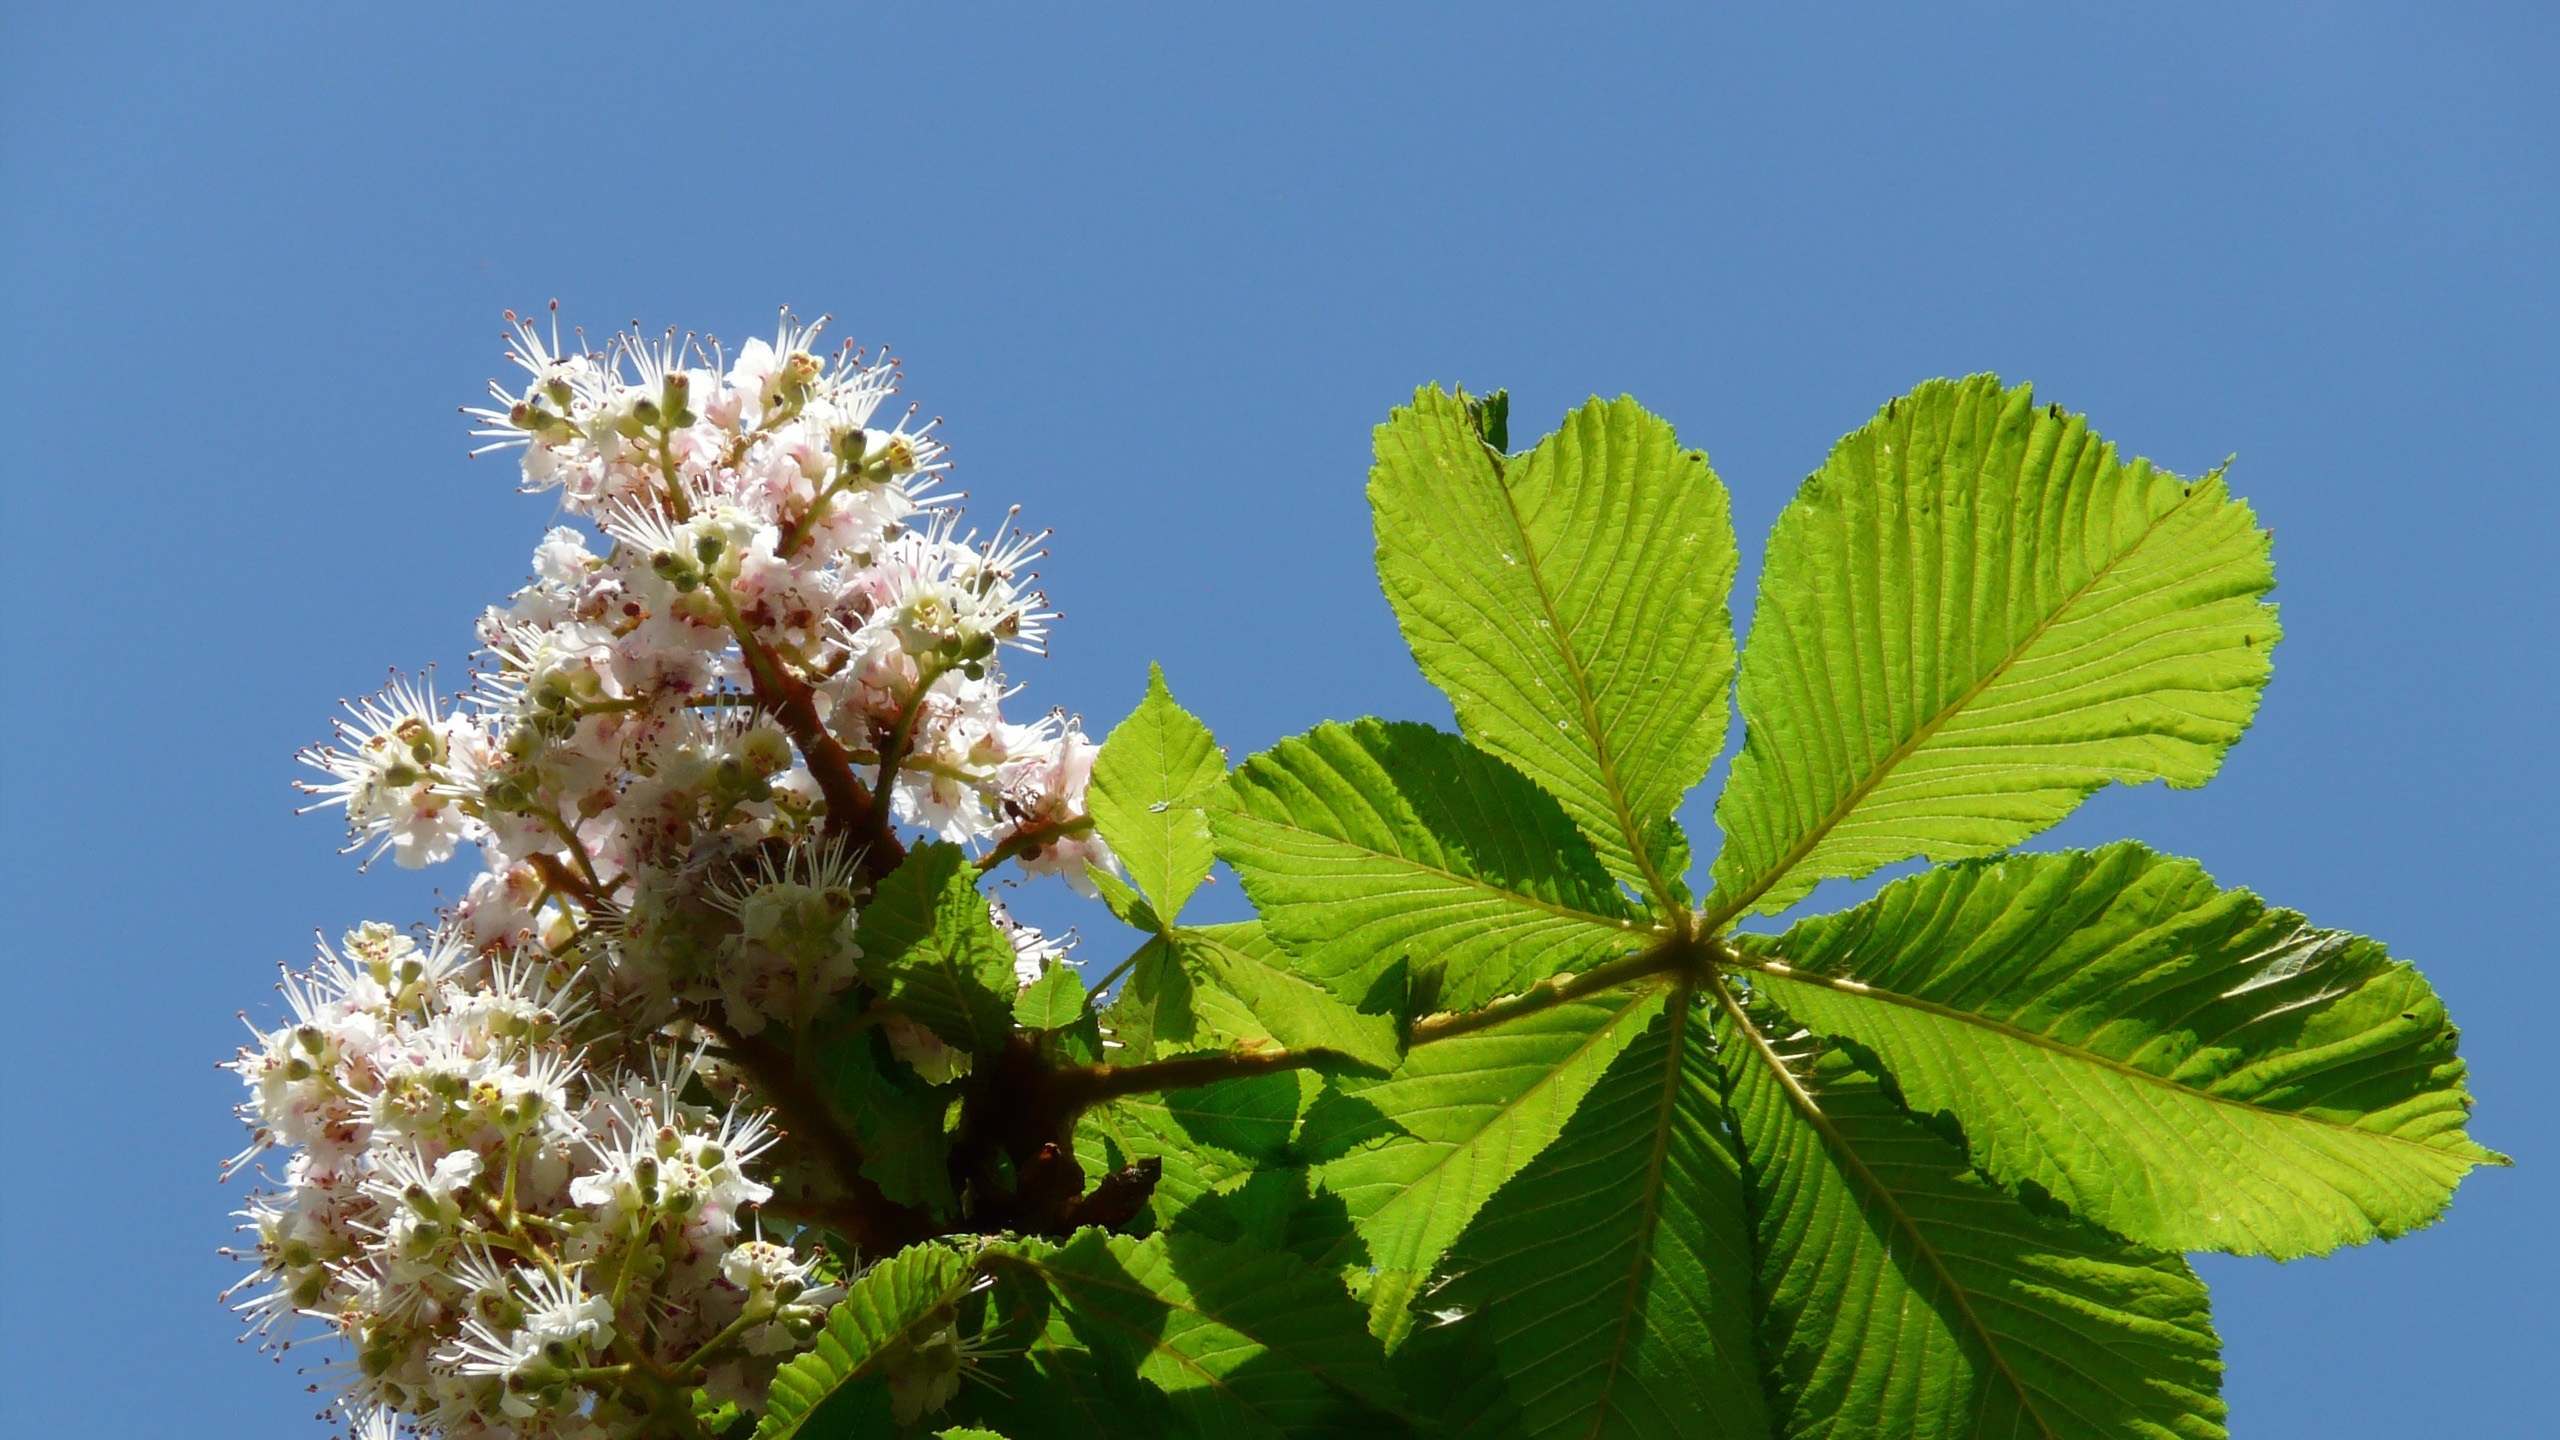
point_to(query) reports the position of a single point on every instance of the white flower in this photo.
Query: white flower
(760, 1266)
(557, 1309)
(395, 773)
(562, 558)
(1033, 952)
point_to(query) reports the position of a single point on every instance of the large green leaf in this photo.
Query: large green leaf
(2172, 1060)
(1240, 968)
(903, 1298)
(1971, 617)
(1414, 1156)
(1614, 1274)
(1904, 1295)
(1375, 843)
(1245, 1342)
(1148, 783)
(928, 945)
(1571, 601)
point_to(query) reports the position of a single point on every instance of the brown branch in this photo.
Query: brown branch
(866, 1217)
(568, 882)
(1032, 837)
(851, 808)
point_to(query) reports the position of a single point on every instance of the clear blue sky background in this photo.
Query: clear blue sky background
(1163, 273)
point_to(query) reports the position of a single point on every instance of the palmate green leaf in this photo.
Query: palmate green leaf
(1145, 798)
(822, 1391)
(1378, 844)
(1904, 1295)
(1971, 617)
(1571, 602)
(1414, 1156)
(1613, 1276)
(928, 946)
(1243, 1342)
(2172, 1060)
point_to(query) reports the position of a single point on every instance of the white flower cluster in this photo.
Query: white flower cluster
(492, 1227)
(772, 620)
(758, 648)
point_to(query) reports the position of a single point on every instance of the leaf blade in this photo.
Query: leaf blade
(888, 1305)
(1144, 797)
(1972, 617)
(1243, 1341)
(1243, 962)
(1416, 1155)
(1572, 604)
(1907, 1296)
(1613, 1275)
(1374, 843)
(2264, 1087)
(1055, 1000)
(930, 948)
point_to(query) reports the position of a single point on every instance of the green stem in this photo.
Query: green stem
(558, 825)
(735, 1328)
(1085, 1085)
(893, 753)
(1674, 954)
(1094, 995)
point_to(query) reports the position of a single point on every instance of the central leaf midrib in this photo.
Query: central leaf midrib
(1861, 991)
(1651, 1206)
(1585, 701)
(1805, 1104)
(1848, 804)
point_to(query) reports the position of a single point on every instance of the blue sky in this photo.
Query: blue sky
(1162, 273)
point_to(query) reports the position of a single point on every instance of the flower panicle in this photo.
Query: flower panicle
(760, 639)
